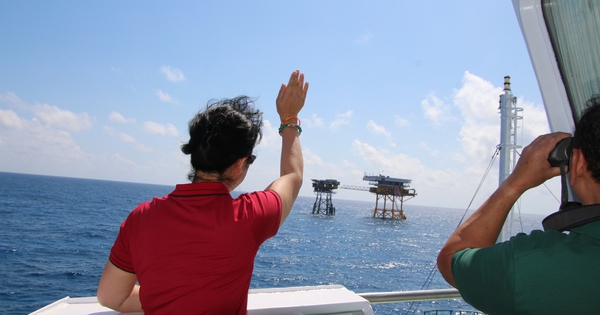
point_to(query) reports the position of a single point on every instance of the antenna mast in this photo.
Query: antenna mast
(510, 115)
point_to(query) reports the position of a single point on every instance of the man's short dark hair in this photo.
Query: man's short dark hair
(587, 136)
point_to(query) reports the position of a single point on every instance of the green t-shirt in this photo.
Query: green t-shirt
(540, 273)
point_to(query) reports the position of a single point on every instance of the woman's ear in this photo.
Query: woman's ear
(239, 166)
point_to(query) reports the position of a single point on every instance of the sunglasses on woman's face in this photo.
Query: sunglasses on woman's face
(251, 159)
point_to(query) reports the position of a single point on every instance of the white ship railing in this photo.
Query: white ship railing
(410, 296)
(324, 299)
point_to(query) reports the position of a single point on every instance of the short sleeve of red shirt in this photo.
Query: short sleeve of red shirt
(265, 213)
(119, 253)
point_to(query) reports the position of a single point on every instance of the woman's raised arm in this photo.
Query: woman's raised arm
(289, 103)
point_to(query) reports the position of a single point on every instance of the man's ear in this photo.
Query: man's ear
(578, 167)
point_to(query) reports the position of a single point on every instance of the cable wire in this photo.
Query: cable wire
(415, 305)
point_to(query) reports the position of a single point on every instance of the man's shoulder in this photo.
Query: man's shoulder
(536, 239)
(522, 243)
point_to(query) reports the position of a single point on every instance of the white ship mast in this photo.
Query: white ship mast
(510, 115)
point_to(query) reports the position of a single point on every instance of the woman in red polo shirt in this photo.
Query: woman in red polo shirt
(192, 251)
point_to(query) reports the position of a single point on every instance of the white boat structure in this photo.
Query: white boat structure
(563, 40)
(324, 299)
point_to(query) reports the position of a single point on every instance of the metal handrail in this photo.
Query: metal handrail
(410, 296)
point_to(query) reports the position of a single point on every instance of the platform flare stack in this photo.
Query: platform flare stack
(324, 188)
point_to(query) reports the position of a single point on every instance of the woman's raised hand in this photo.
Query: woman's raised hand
(290, 99)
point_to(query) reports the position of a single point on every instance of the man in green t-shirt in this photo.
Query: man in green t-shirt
(547, 272)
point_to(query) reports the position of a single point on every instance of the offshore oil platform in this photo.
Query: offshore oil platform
(324, 188)
(387, 189)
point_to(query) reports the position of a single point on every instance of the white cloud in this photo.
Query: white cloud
(127, 138)
(477, 101)
(12, 98)
(123, 161)
(271, 140)
(47, 114)
(164, 97)
(54, 116)
(535, 121)
(116, 117)
(377, 129)
(400, 121)
(435, 109)
(341, 119)
(437, 187)
(314, 121)
(310, 158)
(44, 145)
(431, 151)
(382, 159)
(156, 128)
(10, 119)
(143, 148)
(318, 168)
(172, 74)
(36, 147)
(109, 130)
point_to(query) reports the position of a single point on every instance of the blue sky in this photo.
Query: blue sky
(408, 89)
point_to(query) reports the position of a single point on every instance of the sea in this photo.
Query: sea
(56, 234)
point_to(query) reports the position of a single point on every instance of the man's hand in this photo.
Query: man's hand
(533, 167)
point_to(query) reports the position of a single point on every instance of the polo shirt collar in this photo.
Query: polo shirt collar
(203, 188)
(591, 229)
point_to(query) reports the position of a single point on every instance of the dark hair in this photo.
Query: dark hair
(587, 136)
(224, 132)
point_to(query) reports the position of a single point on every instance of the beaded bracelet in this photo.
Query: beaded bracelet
(290, 125)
